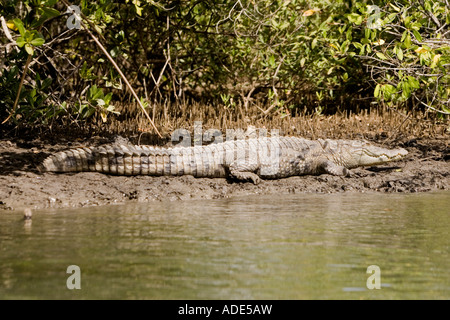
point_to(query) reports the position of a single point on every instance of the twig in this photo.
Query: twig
(430, 107)
(275, 103)
(25, 70)
(116, 67)
(431, 15)
(7, 33)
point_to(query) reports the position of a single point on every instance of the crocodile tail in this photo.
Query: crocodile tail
(112, 159)
(73, 160)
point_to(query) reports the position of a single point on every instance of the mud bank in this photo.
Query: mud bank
(426, 168)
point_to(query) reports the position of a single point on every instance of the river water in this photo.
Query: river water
(306, 246)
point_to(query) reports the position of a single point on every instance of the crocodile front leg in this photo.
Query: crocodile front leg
(330, 167)
(245, 171)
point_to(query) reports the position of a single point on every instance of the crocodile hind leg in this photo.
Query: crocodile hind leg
(245, 171)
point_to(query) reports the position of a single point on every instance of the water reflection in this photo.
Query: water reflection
(290, 247)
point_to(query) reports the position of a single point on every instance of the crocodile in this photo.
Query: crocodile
(245, 160)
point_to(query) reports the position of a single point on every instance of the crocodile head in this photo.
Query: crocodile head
(360, 153)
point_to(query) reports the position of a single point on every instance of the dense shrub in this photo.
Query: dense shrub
(268, 55)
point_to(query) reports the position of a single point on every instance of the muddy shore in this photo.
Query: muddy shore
(425, 169)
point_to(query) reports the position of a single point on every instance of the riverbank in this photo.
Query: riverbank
(426, 168)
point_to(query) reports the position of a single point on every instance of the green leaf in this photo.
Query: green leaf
(95, 93)
(46, 13)
(399, 53)
(357, 45)
(138, 10)
(20, 42)
(381, 55)
(272, 61)
(50, 12)
(390, 18)
(376, 93)
(345, 77)
(348, 34)
(28, 36)
(362, 50)
(404, 35)
(417, 35)
(302, 62)
(29, 49)
(114, 52)
(20, 26)
(406, 90)
(37, 42)
(344, 46)
(89, 112)
(445, 109)
(389, 90)
(359, 20)
(46, 83)
(353, 17)
(38, 79)
(394, 7)
(408, 41)
(108, 98)
(413, 82)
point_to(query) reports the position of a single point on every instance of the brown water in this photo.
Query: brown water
(266, 247)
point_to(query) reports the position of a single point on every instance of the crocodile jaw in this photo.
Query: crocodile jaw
(368, 156)
(375, 155)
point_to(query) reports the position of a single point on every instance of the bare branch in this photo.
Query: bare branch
(105, 52)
